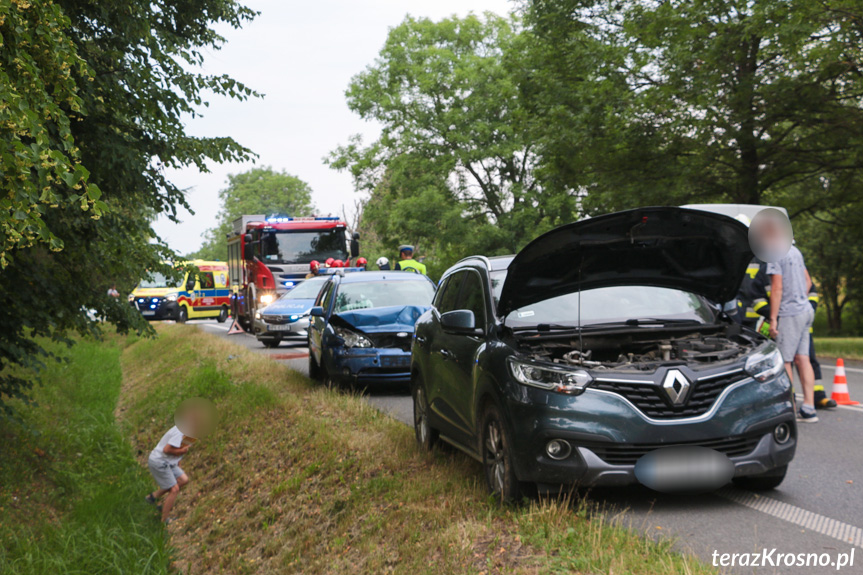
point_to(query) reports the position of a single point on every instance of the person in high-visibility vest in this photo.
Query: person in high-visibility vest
(821, 399)
(408, 263)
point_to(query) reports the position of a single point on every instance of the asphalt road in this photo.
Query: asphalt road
(817, 509)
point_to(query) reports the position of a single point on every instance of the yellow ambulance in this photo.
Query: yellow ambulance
(201, 294)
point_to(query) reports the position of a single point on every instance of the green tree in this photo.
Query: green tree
(101, 92)
(454, 142)
(256, 191)
(41, 166)
(671, 102)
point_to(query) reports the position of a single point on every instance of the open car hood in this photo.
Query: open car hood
(691, 250)
(383, 319)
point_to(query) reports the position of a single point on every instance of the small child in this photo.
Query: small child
(164, 466)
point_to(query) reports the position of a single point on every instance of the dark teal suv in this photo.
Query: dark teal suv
(601, 355)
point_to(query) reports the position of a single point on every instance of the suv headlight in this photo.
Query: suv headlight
(352, 338)
(171, 297)
(764, 364)
(551, 378)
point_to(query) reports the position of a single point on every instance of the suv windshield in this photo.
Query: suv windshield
(309, 289)
(372, 294)
(303, 246)
(155, 280)
(608, 305)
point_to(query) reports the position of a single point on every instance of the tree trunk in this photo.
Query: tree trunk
(748, 190)
(830, 297)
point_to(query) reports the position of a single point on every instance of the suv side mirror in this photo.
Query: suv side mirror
(460, 321)
(317, 311)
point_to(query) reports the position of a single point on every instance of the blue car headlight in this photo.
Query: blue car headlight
(765, 363)
(352, 338)
(549, 377)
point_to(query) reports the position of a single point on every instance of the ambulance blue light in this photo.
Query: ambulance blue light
(141, 300)
(289, 284)
(295, 317)
(152, 306)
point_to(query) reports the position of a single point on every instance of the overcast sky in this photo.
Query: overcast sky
(301, 55)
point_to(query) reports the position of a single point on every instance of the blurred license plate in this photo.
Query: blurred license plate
(148, 312)
(280, 327)
(682, 468)
(395, 361)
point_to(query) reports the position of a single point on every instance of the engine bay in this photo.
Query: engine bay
(640, 351)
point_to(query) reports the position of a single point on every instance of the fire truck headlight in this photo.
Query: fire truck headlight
(171, 297)
(267, 299)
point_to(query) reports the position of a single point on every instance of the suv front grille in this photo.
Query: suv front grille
(391, 340)
(629, 453)
(651, 400)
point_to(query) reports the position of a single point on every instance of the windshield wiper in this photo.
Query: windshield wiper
(655, 320)
(541, 327)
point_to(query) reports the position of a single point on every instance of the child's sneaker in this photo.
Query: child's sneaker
(150, 499)
(807, 415)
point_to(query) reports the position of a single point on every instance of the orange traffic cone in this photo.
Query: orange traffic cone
(840, 385)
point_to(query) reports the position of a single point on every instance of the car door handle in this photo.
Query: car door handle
(447, 354)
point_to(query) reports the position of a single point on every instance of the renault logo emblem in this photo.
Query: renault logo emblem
(676, 386)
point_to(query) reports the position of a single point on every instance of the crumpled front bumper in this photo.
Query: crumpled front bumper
(369, 365)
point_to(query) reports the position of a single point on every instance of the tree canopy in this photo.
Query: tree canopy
(256, 191)
(495, 129)
(454, 142)
(93, 102)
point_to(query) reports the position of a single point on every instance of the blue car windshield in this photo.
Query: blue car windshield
(371, 294)
(308, 289)
(609, 304)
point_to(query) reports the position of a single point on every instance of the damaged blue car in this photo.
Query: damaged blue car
(362, 327)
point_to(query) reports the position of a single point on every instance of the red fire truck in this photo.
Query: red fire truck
(269, 255)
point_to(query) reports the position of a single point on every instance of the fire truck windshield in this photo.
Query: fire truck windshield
(303, 246)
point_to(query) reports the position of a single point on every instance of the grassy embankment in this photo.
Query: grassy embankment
(844, 347)
(296, 479)
(70, 486)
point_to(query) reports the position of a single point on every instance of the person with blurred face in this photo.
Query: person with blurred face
(194, 419)
(791, 316)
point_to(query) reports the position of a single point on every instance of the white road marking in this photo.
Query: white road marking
(219, 326)
(851, 369)
(798, 516)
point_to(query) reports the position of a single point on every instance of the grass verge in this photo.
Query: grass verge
(70, 486)
(298, 479)
(844, 347)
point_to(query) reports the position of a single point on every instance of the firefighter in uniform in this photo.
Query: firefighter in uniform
(408, 263)
(754, 299)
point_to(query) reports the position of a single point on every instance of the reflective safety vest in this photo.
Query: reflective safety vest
(754, 293)
(411, 265)
(813, 301)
